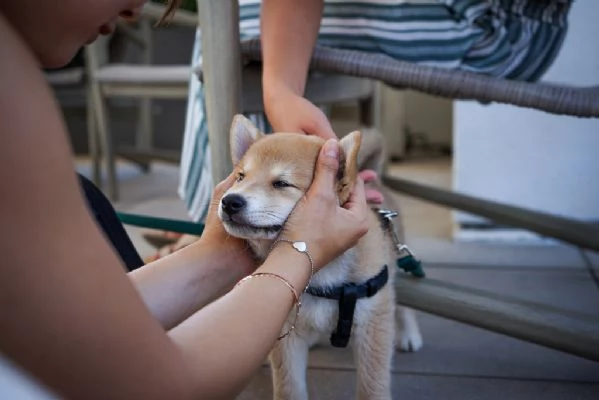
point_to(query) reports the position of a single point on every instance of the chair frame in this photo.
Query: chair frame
(98, 91)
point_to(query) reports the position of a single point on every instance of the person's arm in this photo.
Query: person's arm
(70, 315)
(176, 286)
(288, 31)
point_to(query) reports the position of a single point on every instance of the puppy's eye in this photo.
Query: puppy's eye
(240, 176)
(280, 184)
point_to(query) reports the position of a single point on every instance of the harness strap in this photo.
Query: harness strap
(347, 305)
(347, 296)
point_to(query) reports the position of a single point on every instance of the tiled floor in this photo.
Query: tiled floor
(457, 361)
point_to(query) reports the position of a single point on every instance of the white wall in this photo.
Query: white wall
(530, 158)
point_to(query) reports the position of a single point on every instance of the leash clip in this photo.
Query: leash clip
(403, 251)
(405, 257)
(387, 218)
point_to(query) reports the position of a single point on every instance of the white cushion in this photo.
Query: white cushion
(63, 77)
(140, 74)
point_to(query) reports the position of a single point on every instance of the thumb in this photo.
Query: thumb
(224, 185)
(221, 188)
(327, 164)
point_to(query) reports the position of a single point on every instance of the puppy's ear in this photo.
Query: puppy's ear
(348, 164)
(243, 133)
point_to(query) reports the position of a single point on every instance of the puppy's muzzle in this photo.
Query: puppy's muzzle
(233, 203)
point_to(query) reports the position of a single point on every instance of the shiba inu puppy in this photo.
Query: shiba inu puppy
(352, 299)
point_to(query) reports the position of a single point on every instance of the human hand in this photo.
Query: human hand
(216, 237)
(289, 112)
(328, 228)
(373, 196)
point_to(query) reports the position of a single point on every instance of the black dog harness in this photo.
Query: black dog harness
(347, 295)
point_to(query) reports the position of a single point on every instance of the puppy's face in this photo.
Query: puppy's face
(273, 174)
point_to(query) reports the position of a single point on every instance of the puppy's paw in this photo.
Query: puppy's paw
(408, 340)
(407, 331)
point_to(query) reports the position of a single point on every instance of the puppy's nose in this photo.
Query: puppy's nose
(233, 203)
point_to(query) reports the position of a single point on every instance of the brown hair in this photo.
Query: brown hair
(171, 8)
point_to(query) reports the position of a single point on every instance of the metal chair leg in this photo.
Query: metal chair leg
(100, 114)
(144, 134)
(92, 139)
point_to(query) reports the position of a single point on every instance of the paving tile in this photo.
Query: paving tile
(335, 384)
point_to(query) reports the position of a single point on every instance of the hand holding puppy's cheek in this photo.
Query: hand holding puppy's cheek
(216, 237)
(319, 220)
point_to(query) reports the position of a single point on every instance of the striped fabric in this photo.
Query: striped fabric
(516, 39)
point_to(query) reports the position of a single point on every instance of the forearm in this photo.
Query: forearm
(228, 340)
(289, 29)
(176, 286)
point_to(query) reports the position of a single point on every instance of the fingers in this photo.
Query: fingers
(327, 166)
(357, 207)
(218, 192)
(374, 197)
(320, 126)
(368, 175)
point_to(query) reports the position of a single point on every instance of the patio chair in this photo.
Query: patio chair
(106, 79)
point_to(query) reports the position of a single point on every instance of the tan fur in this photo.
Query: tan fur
(264, 159)
(348, 159)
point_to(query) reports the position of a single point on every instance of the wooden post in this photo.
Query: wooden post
(221, 64)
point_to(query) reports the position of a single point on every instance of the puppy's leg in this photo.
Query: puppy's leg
(373, 352)
(289, 361)
(407, 336)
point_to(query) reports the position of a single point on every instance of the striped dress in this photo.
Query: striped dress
(515, 39)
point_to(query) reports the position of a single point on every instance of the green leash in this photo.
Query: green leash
(411, 265)
(165, 224)
(405, 261)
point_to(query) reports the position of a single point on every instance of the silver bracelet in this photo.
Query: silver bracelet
(296, 298)
(300, 247)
